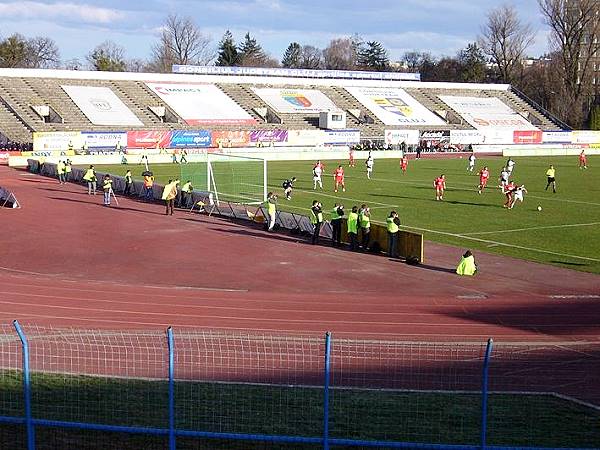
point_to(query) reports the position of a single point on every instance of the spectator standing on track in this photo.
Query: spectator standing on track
(467, 265)
(393, 227)
(551, 176)
(364, 222)
(336, 224)
(352, 224)
(471, 163)
(169, 194)
(68, 170)
(316, 218)
(128, 183)
(90, 178)
(148, 187)
(107, 189)
(186, 194)
(271, 210)
(60, 171)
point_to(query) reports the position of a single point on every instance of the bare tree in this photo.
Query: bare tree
(38, 52)
(107, 56)
(311, 57)
(181, 42)
(505, 39)
(43, 53)
(340, 54)
(575, 37)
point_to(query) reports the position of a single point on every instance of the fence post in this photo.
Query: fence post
(171, 346)
(326, 391)
(26, 387)
(484, 392)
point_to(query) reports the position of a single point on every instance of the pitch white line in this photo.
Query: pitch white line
(485, 241)
(563, 200)
(534, 228)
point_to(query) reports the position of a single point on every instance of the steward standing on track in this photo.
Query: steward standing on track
(364, 221)
(68, 169)
(271, 210)
(128, 183)
(352, 224)
(90, 177)
(60, 171)
(336, 224)
(148, 184)
(107, 188)
(316, 218)
(393, 222)
(186, 194)
(168, 195)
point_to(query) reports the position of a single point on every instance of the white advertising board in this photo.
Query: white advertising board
(394, 106)
(466, 137)
(201, 104)
(396, 137)
(290, 101)
(101, 106)
(487, 113)
(585, 137)
(341, 137)
(556, 137)
(498, 136)
(305, 137)
(56, 140)
(104, 139)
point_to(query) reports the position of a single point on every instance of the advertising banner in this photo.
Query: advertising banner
(201, 104)
(187, 138)
(341, 137)
(228, 139)
(498, 136)
(556, 137)
(148, 139)
(4, 157)
(487, 112)
(308, 138)
(585, 137)
(437, 136)
(101, 106)
(527, 137)
(466, 137)
(394, 106)
(397, 137)
(56, 140)
(269, 136)
(104, 139)
(290, 101)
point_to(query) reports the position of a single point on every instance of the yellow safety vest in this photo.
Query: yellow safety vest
(89, 175)
(364, 220)
(187, 187)
(107, 185)
(391, 225)
(316, 218)
(466, 266)
(353, 223)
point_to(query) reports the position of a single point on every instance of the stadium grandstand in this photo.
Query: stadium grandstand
(41, 101)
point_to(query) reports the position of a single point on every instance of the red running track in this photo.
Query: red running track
(66, 260)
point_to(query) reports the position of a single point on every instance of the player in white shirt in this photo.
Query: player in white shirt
(369, 163)
(504, 178)
(510, 165)
(317, 172)
(471, 163)
(518, 194)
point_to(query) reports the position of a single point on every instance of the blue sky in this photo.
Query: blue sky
(441, 27)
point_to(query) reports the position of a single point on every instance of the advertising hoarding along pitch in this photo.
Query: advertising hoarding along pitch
(289, 101)
(104, 139)
(487, 112)
(201, 104)
(394, 106)
(228, 139)
(148, 139)
(269, 136)
(101, 106)
(397, 137)
(341, 137)
(187, 138)
(56, 140)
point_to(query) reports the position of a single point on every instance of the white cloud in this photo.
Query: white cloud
(67, 11)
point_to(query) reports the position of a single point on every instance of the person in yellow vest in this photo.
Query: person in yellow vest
(186, 194)
(90, 178)
(60, 171)
(70, 148)
(393, 227)
(169, 194)
(174, 156)
(271, 209)
(352, 224)
(41, 162)
(551, 174)
(128, 183)
(336, 224)
(364, 222)
(107, 188)
(316, 218)
(467, 265)
(68, 170)
(148, 187)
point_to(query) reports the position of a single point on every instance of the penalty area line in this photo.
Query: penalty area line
(501, 244)
(533, 228)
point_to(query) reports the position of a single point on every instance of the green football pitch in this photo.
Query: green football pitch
(566, 232)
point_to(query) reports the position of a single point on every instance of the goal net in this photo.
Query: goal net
(229, 178)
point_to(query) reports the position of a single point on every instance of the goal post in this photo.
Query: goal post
(230, 178)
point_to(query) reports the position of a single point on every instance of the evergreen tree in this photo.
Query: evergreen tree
(292, 56)
(250, 51)
(228, 53)
(373, 56)
(472, 60)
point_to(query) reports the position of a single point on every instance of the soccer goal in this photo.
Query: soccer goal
(229, 178)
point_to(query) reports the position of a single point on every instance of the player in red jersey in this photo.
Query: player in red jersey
(351, 158)
(484, 176)
(338, 176)
(403, 164)
(440, 184)
(582, 160)
(508, 190)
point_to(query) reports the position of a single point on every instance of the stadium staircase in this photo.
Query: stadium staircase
(248, 100)
(139, 100)
(12, 126)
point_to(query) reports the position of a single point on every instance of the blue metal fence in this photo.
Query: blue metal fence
(346, 367)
